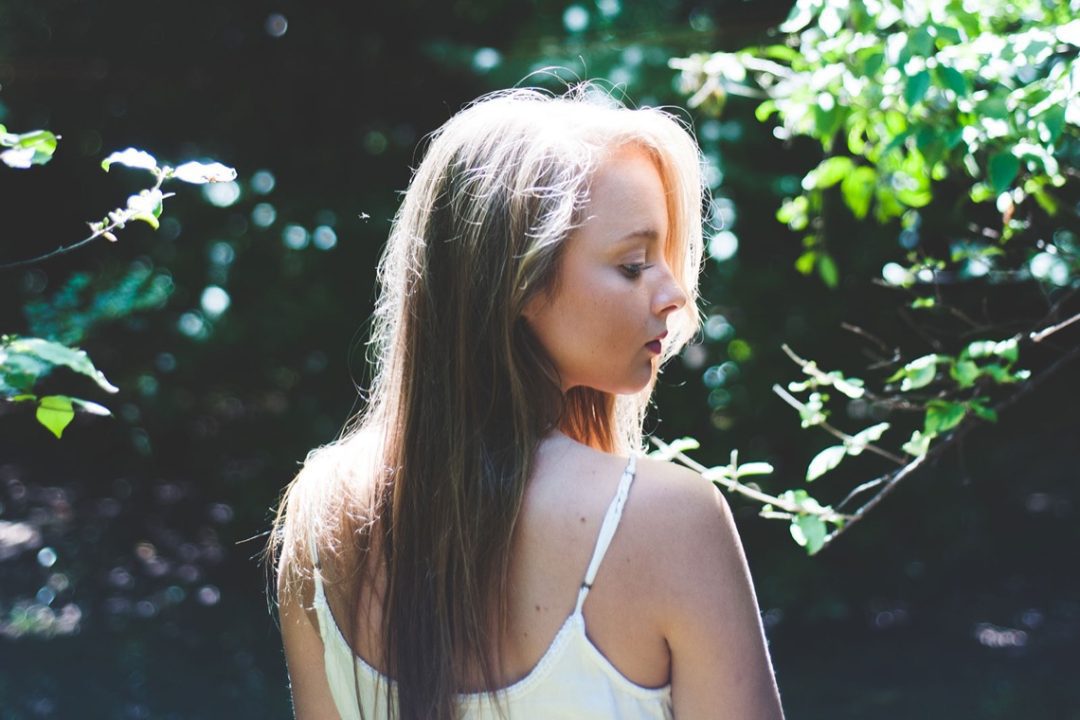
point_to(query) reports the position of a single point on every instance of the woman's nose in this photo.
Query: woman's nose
(669, 296)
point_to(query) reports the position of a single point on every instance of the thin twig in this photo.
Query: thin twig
(105, 231)
(745, 490)
(890, 480)
(1047, 332)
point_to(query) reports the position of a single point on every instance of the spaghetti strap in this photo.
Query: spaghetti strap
(607, 531)
(320, 595)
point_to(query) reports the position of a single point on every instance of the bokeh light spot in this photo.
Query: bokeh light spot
(575, 18)
(263, 215)
(214, 301)
(276, 25)
(263, 182)
(294, 236)
(222, 194)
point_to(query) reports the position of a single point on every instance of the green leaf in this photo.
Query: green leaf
(827, 270)
(860, 440)
(56, 354)
(755, 468)
(825, 461)
(965, 372)
(200, 173)
(920, 43)
(942, 416)
(858, 189)
(980, 410)
(799, 16)
(805, 263)
(809, 532)
(765, 110)
(829, 172)
(916, 87)
(852, 387)
(918, 445)
(132, 158)
(55, 412)
(91, 407)
(1007, 349)
(1003, 169)
(917, 373)
(953, 79)
(674, 448)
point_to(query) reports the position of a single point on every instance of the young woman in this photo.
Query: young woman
(486, 540)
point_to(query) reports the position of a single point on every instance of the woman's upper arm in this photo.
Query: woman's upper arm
(304, 657)
(720, 665)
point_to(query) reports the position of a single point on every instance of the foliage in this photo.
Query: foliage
(958, 125)
(25, 361)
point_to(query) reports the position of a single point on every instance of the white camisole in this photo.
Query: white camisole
(573, 679)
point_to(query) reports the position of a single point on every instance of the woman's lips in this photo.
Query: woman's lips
(654, 346)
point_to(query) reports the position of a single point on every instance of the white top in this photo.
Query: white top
(573, 679)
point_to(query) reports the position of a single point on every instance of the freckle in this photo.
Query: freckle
(537, 608)
(582, 518)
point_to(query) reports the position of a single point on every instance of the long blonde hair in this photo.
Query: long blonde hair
(427, 481)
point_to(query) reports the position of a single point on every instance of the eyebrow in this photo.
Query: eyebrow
(648, 233)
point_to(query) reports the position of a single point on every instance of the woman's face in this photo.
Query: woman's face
(602, 323)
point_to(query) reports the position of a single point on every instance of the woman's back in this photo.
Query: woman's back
(565, 503)
(628, 639)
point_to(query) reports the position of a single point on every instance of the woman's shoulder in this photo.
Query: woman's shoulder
(684, 524)
(679, 500)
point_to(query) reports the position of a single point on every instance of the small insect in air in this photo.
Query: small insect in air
(363, 216)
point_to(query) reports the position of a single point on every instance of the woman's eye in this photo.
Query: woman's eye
(634, 270)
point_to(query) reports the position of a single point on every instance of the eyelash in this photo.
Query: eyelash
(634, 270)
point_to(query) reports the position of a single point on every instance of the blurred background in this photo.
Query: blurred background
(129, 581)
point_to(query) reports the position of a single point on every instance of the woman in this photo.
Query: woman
(435, 562)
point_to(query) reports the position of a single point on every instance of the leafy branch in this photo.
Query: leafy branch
(146, 205)
(945, 123)
(26, 360)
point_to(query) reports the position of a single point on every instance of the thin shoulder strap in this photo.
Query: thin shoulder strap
(607, 531)
(320, 595)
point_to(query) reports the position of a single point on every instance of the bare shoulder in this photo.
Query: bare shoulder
(679, 507)
(708, 608)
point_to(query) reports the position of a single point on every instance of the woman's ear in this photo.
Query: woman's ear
(532, 307)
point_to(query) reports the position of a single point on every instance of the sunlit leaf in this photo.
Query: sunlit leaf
(755, 468)
(965, 372)
(57, 354)
(827, 270)
(55, 412)
(809, 531)
(858, 189)
(675, 447)
(861, 439)
(917, 373)
(942, 416)
(18, 158)
(829, 172)
(918, 445)
(825, 461)
(201, 173)
(91, 407)
(132, 158)
(33, 148)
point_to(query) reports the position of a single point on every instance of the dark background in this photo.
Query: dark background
(959, 597)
